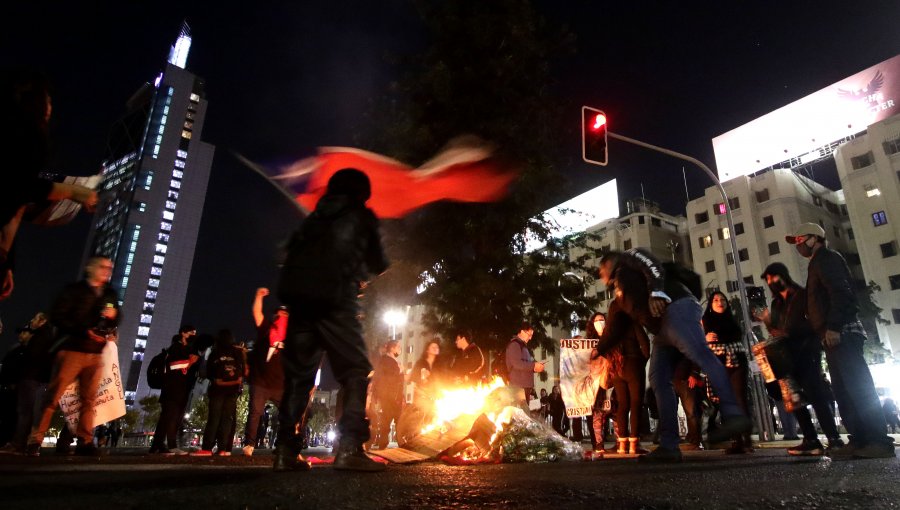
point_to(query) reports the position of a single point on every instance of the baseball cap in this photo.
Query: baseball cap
(806, 229)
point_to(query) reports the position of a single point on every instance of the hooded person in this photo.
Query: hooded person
(329, 258)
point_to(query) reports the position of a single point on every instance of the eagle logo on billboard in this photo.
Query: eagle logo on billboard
(868, 91)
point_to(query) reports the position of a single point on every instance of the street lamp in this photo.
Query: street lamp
(394, 318)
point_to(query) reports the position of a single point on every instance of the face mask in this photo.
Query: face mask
(777, 287)
(804, 250)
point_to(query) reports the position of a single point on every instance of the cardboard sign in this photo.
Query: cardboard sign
(109, 402)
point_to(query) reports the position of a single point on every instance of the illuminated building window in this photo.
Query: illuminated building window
(148, 306)
(158, 259)
(142, 207)
(170, 205)
(168, 215)
(185, 134)
(151, 294)
(140, 344)
(144, 331)
(137, 356)
(124, 282)
(195, 98)
(178, 174)
(175, 184)
(188, 124)
(872, 191)
(130, 258)
(127, 269)
(165, 226)
(705, 241)
(148, 180)
(153, 283)
(724, 233)
(179, 163)
(164, 238)
(189, 115)
(879, 218)
(161, 248)
(156, 271)
(182, 154)
(146, 318)
(173, 195)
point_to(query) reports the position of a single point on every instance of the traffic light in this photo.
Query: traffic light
(593, 136)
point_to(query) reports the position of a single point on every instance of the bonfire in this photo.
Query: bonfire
(482, 424)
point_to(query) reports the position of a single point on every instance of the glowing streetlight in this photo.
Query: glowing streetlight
(394, 318)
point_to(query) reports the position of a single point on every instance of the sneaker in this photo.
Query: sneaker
(662, 455)
(177, 451)
(807, 447)
(875, 451)
(11, 449)
(223, 453)
(839, 449)
(33, 450)
(248, 451)
(731, 426)
(288, 462)
(202, 453)
(356, 460)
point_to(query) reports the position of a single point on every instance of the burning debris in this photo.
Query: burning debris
(483, 425)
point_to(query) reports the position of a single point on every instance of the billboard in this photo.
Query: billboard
(835, 112)
(579, 213)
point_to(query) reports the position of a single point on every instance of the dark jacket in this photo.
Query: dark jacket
(38, 354)
(638, 275)
(469, 364)
(520, 364)
(831, 302)
(387, 383)
(787, 318)
(333, 251)
(624, 334)
(77, 310)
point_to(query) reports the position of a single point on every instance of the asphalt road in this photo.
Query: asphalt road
(767, 478)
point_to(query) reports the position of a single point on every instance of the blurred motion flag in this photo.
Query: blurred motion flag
(464, 171)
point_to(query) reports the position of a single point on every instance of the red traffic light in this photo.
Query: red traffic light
(593, 136)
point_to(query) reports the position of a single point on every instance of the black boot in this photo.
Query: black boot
(353, 458)
(287, 460)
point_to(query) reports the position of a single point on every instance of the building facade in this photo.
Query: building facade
(765, 208)
(152, 195)
(869, 169)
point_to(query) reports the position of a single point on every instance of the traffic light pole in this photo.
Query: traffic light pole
(760, 398)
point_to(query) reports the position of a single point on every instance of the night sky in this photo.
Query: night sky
(282, 80)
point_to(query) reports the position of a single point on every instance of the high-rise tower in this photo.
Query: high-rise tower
(152, 194)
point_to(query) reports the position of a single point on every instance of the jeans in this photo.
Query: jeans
(259, 395)
(68, 367)
(690, 401)
(854, 391)
(220, 422)
(172, 403)
(808, 373)
(681, 334)
(312, 332)
(29, 404)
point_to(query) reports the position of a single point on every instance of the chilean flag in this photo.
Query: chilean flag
(463, 172)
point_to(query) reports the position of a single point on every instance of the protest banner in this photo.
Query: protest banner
(579, 377)
(109, 402)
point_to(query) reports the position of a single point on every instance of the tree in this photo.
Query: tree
(319, 417)
(198, 414)
(870, 316)
(485, 74)
(150, 408)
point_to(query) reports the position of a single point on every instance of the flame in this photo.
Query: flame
(457, 402)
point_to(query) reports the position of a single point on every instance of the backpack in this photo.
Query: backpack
(315, 268)
(687, 277)
(156, 371)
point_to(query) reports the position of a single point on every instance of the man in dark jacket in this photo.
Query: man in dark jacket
(84, 314)
(832, 311)
(178, 382)
(787, 319)
(328, 259)
(665, 306)
(387, 392)
(468, 365)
